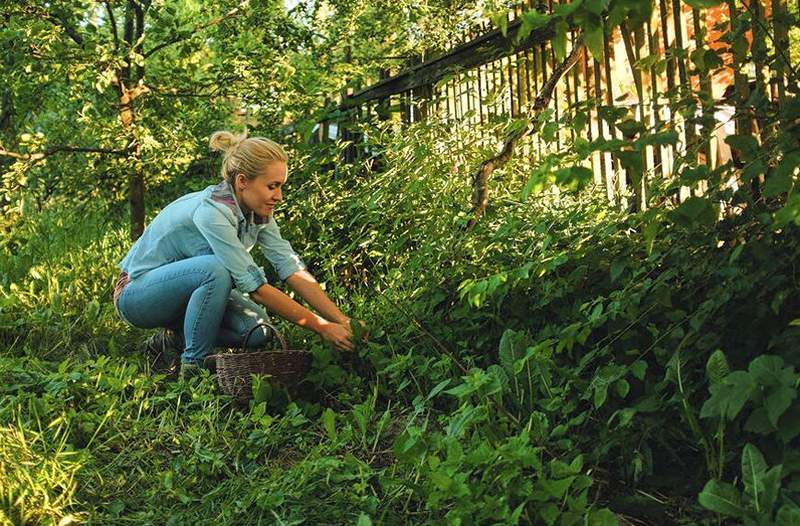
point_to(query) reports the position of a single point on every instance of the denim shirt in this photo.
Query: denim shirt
(212, 222)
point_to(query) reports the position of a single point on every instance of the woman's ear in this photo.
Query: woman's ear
(241, 181)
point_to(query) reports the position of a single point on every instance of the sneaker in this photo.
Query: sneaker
(163, 350)
(189, 370)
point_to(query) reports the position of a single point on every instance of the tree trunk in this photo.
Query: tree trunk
(129, 89)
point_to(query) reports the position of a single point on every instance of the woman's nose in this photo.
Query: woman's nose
(278, 194)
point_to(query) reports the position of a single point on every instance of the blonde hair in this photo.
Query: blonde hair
(243, 155)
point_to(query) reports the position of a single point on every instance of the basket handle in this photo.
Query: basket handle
(271, 327)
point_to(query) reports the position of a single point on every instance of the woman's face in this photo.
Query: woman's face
(265, 191)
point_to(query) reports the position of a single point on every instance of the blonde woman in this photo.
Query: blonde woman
(187, 272)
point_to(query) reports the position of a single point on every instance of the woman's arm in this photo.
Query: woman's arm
(285, 307)
(307, 287)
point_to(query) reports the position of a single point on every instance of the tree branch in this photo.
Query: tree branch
(38, 156)
(112, 21)
(480, 195)
(189, 34)
(56, 21)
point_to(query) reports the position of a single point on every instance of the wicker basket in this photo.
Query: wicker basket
(235, 370)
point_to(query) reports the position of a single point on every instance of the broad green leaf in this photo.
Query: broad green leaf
(747, 144)
(777, 183)
(623, 387)
(549, 513)
(753, 468)
(729, 396)
(766, 369)
(364, 520)
(696, 210)
(778, 401)
(556, 488)
(593, 37)
(638, 369)
(788, 515)
(603, 517)
(596, 6)
(758, 422)
(566, 9)
(574, 177)
(531, 20)
(722, 498)
(772, 485)
(790, 213)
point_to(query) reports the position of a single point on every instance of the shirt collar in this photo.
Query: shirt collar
(224, 193)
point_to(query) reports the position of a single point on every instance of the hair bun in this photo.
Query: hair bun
(222, 141)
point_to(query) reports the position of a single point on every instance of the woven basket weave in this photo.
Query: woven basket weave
(235, 370)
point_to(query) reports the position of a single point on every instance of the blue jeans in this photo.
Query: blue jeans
(195, 297)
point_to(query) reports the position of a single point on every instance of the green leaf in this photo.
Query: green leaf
(696, 210)
(617, 267)
(766, 369)
(566, 9)
(593, 37)
(596, 6)
(717, 367)
(364, 520)
(753, 468)
(638, 369)
(623, 387)
(758, 422)
(262, 390)
(778, 401)
(790, 213)
(702, 4)
(329, 423)
(603, 517)
(788, 515)
(438, 389)
(574, 177)
(747, 144)
(729, 396)
(772, 485)
(722, 498)
(777, 183)
(560, 40)
(359, 331)
(556, 488)
(752, 170)
(500, 19)
(512, 348)
(600, 394)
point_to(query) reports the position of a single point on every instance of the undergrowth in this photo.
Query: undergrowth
(562, 363)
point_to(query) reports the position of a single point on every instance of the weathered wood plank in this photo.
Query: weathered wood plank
(482, 50)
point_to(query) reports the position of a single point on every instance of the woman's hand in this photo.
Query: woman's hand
(339, 335)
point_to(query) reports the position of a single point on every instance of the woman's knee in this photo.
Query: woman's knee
(217, 273)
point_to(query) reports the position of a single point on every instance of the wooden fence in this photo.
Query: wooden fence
(489, 73)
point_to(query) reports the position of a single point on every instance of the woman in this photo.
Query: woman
(184, 272)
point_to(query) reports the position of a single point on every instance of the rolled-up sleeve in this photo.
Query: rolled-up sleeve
(278, 251)
(219, 230)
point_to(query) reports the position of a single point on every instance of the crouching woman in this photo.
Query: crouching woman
(187, 273)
